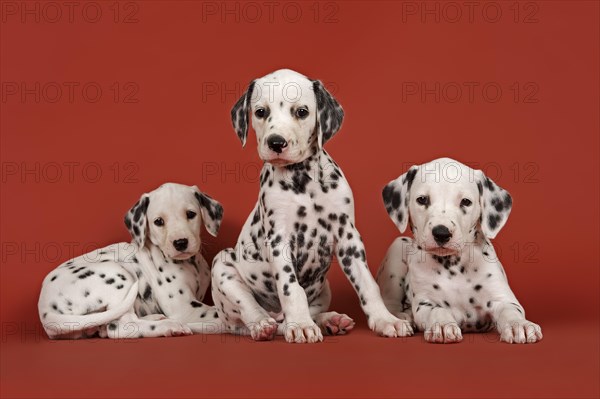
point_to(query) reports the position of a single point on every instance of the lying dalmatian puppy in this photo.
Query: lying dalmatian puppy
(304, 215)
(448, 277)
(149, 288)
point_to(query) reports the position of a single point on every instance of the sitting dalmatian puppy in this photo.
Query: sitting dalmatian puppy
(448, 278)
(149, 288)
(304, 215)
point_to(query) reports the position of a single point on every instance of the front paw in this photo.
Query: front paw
(263, 330)
(520, 332)
(390, 326)
(173, 328)
(303, 332)
(443, 333)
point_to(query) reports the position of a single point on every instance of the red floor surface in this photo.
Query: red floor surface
(563, 365)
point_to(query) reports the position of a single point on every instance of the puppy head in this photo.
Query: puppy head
(170, 218)
(292, 116)
(446, 203)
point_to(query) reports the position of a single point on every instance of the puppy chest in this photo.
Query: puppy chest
(464, 291)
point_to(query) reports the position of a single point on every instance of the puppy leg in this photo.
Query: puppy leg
(203, 275)
(130, 326)
(391, 278)
(438, 323)
(235, 303)
(512, 325)
(351, 256)
(199, 317)
(331, 323)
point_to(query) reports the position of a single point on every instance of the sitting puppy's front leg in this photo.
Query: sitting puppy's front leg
(437, 322)
(351, 256)
(391, 278)
(299, 326)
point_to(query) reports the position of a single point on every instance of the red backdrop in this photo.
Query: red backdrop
(103, 101)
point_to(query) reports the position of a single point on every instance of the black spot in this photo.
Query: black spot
(493, 220)
(477, 287)
(410, 176)
(111, 280)
(147, 290)
(195, 304)
(437, 287)
(301, 211)
(86, 274)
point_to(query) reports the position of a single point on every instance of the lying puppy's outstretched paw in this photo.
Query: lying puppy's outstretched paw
(390, 326)
(443, 333)
(334, 323)
(520, 332)
(174, 328)
(264, 330)
(304, 332)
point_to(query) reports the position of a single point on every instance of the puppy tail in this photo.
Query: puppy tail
(65, 325)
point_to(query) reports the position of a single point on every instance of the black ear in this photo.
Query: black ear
(329, 113)
(136, 222)
(212, 212)
(239, 114)
(396, 195)
(496, 204)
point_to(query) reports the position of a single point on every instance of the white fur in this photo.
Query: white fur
(143, 289)
(461, 284)
(274, 280)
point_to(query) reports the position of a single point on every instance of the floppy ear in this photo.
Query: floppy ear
(396, 196)
(496, 204)
(329, 113)
(136, 222)
(239, 114)
(211, 210)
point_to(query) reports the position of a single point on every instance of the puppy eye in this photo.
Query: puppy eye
(423, 200)
(301, 113)
(159, 222)
(190, 214)
(466, 202)
(260, 113)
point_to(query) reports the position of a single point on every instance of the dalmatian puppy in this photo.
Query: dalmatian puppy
(277, 272)
(152, 287)
(448, 278)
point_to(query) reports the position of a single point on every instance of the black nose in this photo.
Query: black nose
(276, 143)
(180, 244)
(441, 234)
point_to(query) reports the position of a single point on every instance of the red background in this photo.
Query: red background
(178, 57)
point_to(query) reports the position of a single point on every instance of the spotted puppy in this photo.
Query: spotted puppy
(149, 288)
(448, 277)
(304, 215)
